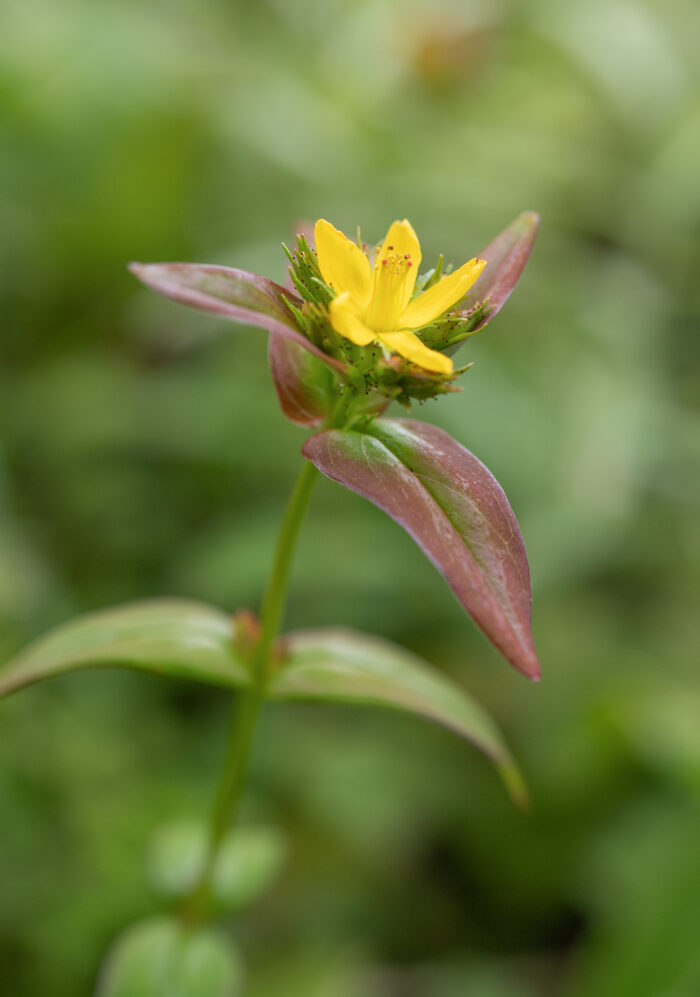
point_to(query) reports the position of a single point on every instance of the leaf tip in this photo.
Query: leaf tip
(531, 668)
(516, 786)
(528, 666)
(137, 269)
(530, 219)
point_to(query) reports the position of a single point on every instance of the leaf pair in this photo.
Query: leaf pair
(160, 956)
(249, 859)
(181, 639)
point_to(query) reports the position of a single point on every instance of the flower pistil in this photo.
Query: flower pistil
(373, 303)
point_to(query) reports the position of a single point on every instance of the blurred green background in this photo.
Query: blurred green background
(142, 453)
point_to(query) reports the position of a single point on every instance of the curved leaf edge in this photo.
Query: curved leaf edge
(506, 256)
(46, 657)
(25, 669)
(491, 742)
(160, 277)
(313, 449)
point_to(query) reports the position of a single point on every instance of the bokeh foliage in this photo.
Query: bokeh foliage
(142, 453)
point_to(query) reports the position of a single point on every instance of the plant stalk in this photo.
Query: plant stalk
(248, 702)
(276, 594)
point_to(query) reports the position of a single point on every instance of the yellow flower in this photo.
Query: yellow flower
(375, 303)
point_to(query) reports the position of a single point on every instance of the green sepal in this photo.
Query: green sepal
(430, 277)
(306, 275)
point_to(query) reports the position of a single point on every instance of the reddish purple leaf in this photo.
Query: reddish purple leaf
(305, 387)
(235, 294)
(506, 257)
(453, 508)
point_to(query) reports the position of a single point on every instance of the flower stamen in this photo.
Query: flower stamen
(375, 299)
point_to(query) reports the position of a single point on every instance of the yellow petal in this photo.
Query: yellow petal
(343, 265)
(402, 242)
(410, 346)
(346, 321)
(441, 296)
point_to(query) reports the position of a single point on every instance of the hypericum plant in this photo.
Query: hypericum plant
(364, 327)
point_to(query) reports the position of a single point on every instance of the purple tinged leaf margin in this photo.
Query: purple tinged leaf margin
(305, 388)
(505, 256)
(454, 509)
(234, 294)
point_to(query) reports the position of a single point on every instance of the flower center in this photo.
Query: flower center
(396, 264)
(389, 297)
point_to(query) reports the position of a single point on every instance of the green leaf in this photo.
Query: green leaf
(170, 637)
(160, 958)
(234, 294)
(453, 508)
(344, 666)
(249, 859)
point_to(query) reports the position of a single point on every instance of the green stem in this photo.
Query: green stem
(276, 595)
(228, 797)
(248, 702)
